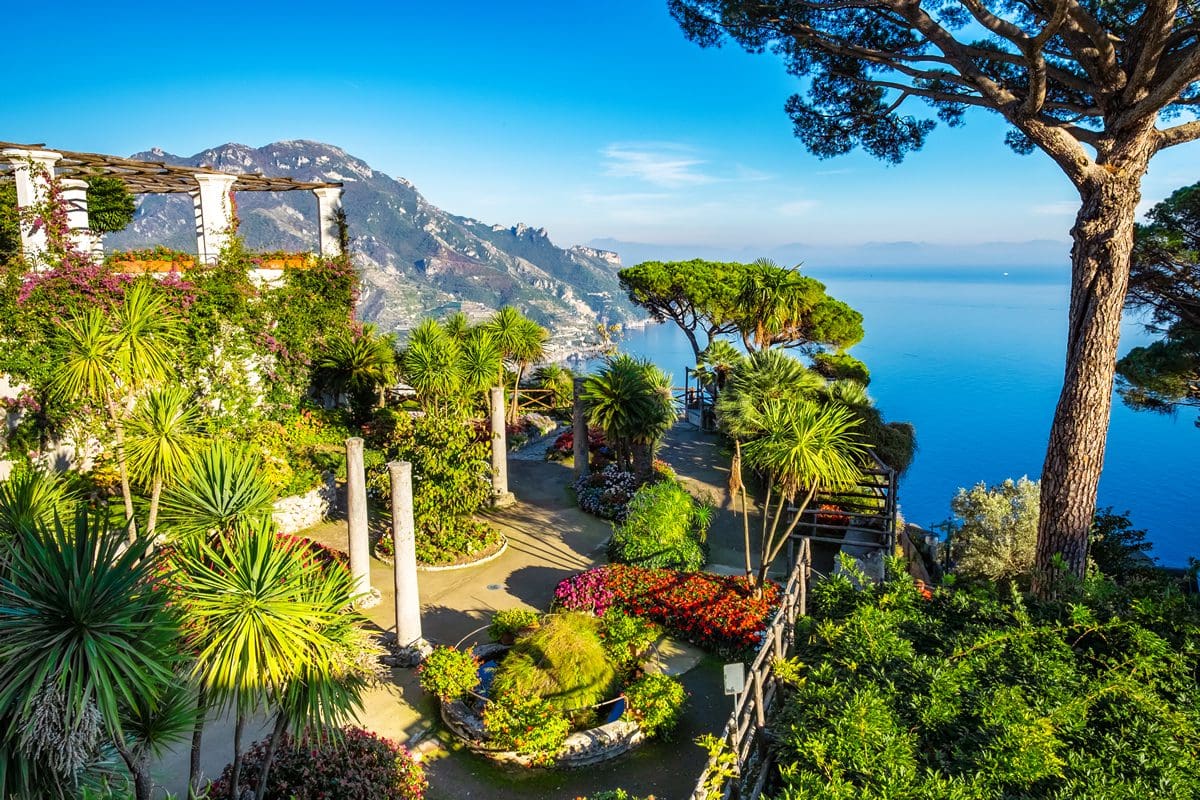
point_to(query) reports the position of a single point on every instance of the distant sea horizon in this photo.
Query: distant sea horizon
(974, 357)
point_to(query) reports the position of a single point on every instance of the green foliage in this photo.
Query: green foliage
(513, 621)
(1119, 550)
(630, 400)
(356, 765)
(450, 481)
(449, 674)
(696, 295)
(222, 487)
(626, 637)
(10, 223)
(614, 794)
(31, 498)
(526, 724)
(110, 204)
(993, 533)
(563, 662)
(664, 527)
(841, 366)
(359, 363)
(777, 306)
(88, 653)
(1164, 280)
(657, 703)
(968, 697)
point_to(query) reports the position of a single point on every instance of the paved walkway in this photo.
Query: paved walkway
(549, 539)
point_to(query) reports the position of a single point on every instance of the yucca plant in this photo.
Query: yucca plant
(160, 441)
(29, 498)
(86, 637)
(358, 364)
(222, 486)
(630, 400)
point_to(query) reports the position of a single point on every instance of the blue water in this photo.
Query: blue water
(974, 360)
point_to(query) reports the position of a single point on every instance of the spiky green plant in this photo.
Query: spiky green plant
(31, 497)
(222, 486)
(160, 441)
(358, 364)
(630, 399)
(563, 662)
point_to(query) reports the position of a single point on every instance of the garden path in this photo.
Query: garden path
(549, 539)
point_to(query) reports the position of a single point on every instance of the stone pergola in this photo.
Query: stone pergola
(30, 164)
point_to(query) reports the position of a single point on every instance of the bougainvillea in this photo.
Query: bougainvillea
(717, 612)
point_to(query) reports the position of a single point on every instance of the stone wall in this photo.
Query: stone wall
(302, 511)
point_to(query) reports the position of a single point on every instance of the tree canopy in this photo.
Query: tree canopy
(1165, 282)
(765, 304)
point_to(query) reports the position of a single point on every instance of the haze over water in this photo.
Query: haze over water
(974, 359)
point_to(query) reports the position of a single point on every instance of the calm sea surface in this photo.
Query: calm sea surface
(974, 360)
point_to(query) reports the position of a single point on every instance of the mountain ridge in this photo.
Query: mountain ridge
(415, 258)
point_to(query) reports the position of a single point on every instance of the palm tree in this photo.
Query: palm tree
(160, 441)
(262, 613)
(479, 359)
(359, 364)
(803, 449)
(87, 636)
(430, 364)
(773, 300)
(765, 377)
(522, 341)
(110, 362)
(458, 326)
(221, 487)
(630, 400)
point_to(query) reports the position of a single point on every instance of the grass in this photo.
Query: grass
(563, 662)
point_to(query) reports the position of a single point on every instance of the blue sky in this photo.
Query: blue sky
(591, 120)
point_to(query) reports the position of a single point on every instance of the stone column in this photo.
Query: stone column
(74, 194)
(31, 170)
(580, 432)
(404, 532)
(501, 496)
(356, 519)
(329, 201)
(214, 214)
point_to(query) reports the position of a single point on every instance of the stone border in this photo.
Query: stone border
(449, 567)
(581, 749)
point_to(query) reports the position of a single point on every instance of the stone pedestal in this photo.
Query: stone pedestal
(356, 522)
(580, 431)
(501, 496)
(404, 542)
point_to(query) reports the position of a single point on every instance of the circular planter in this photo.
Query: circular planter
(581, 748)
(487, 556)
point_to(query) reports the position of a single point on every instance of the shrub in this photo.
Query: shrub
(526, 724)
(717, 612)
(450, 482)
(563, 661)
(614, 794)
(656, 702)
(1119, 550)
(512, 621)
(968, 696)
(625, 637)
(564, 445)
(356, 765)
(606, 493)
(663, 527)
(448, 673)
(993, 533)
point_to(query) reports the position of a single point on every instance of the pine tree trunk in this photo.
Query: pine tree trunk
(1103, 241)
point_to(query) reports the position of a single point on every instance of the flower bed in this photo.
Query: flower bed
(564, 446)
(606, 493)
(716, 612)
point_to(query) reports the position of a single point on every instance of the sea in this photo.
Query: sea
(974, 359)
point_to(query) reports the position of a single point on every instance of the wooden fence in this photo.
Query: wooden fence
(739, 771)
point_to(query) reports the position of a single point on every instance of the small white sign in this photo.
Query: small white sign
(735, 678)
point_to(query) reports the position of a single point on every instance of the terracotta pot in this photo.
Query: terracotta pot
(148, 266)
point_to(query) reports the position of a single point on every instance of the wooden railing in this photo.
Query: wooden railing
(538, 400)
(744, 776)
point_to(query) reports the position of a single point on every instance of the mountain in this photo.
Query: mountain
(415, 258)
(1034, 253)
